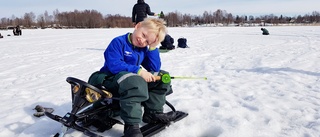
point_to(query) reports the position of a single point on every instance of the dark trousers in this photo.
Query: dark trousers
(133, 93)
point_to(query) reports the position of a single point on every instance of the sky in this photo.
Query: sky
(193, 7)
(257, 85)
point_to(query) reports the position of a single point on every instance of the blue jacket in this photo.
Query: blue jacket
(121, 55)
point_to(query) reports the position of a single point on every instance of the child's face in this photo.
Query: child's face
(142, 37)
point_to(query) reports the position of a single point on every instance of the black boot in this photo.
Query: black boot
(158, 117)
(132, 131)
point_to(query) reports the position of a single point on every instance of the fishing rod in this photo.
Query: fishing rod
(166, 78)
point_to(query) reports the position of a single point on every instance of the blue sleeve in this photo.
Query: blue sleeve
(152, 61)
(114, 59)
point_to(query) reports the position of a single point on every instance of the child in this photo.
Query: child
(135, 86)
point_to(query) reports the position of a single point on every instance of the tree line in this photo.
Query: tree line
(94, 19)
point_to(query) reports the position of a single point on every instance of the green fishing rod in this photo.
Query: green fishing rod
(166, 78)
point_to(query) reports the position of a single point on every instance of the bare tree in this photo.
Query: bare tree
(229, 18)
(218, 16)
(41, 21)
(206, 17)
(172, 19)
(187, 19)
(94, 19)
(29, 19)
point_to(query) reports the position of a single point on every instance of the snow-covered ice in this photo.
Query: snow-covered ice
(257, 86)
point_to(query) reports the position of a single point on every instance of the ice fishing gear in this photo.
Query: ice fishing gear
(166, 78)
(182, 43)
(93, 119)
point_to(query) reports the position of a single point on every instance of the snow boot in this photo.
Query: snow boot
(132, 131)
(158, 117)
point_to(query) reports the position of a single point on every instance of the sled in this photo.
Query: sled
(164, 50)
(84, 115)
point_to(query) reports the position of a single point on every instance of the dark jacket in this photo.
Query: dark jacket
(265, 31)
(167, 43)
(140, 11)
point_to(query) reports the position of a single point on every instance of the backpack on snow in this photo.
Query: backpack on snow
(167, 43)
(182, 43)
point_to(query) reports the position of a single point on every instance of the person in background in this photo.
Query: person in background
(17, 31)
(265, 31)
(167, 43)
(140, 11)
(161, 15)
(131, 63)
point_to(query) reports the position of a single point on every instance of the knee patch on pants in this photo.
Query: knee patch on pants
(132, 85)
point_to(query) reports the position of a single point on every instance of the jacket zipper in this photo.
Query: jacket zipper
(138, 60)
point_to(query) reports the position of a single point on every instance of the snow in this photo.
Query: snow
(257, 85)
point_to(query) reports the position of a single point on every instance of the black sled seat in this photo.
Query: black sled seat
(84, 115)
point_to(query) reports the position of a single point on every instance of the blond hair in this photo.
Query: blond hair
(156, 26)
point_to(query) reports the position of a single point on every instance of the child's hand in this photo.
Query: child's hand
(147, 76)
(154, 45)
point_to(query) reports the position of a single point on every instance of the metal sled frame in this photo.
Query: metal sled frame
(81, 108)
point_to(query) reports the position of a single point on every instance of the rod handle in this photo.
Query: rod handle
(158, 77)
(165, 78)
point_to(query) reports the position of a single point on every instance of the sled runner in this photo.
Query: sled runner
(164, 50)
(84, 115)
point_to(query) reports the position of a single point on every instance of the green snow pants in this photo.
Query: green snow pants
(133, 93)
